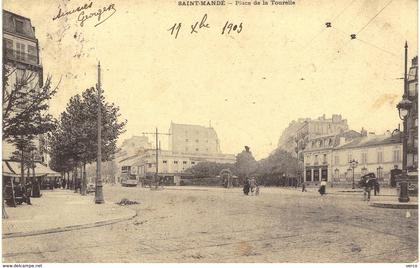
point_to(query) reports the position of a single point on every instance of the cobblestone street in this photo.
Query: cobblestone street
(193, 224)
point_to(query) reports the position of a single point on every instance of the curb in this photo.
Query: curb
(68, 228)
(395, 205)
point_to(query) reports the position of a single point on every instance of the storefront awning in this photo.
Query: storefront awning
(12, 169)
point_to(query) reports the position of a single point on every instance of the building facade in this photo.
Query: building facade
(188, 146)
(193, 139)
(22, 62)
(379, 154)
(318, 155)
(412, 118)
(318, 127)
(173, 165)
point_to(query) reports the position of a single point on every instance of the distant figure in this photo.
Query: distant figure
(376, 187)
(323, 186)
(63, 183)
(367, 189)
(252, 185)
(257, 189)
(28, 192)
(246, 187)
(303, 187)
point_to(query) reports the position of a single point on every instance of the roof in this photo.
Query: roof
(9, 24)
(369, 141)
(12, 169)
(348, 135)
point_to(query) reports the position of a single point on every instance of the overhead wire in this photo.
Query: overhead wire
(377, 14)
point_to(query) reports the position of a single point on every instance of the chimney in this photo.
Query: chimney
(363, 132)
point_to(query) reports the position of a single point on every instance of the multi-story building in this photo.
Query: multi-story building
(193, 139)
(377, 154)
(173, 165)
(188, 146)
(22, 61)
(318, 127)
(412, 118)
(287, 139)
(318, 155)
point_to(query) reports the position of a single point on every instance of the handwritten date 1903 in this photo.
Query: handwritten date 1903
(231, 27)
(227, 29)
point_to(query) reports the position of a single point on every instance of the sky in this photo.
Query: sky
(283, 65)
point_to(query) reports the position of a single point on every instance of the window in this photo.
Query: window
(20, 51)
(19, 26)
(324, 158)
(349, 157)
(184, 162)
(364, 158)
(396, 156)
(336, 174)
(192, 163)
(379, 172)
(380, 157)
(316, 160)
(196, 149)
(164, 161)
(9, 43)
(175, 162)
(337, 160)
(150, 165)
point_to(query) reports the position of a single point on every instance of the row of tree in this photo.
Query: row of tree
(279, 162)
(73, 143)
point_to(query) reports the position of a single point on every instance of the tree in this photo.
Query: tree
(245, 163)
(279, 162)
(78, 132)
(208, 169)
(25, 104)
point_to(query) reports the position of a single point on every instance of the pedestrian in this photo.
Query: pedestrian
(28, 192)
(9, 194)
(376, 188)
(246, 186)
(252, 184)
(303, 187)
(367, 189)
(323, 186)
(257, 189)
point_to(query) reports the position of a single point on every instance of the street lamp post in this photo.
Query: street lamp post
(353, 164)
(403, 111)
(404, 107)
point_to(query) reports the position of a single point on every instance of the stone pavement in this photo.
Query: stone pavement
(61, 210)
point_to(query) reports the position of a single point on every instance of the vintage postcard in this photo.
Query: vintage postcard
(252, 131)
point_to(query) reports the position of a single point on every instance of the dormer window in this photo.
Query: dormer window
(19, 26)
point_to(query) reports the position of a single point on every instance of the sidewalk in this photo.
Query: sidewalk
(58, 211)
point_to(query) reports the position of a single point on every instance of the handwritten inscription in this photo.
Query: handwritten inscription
(197, 26)
(84, 13)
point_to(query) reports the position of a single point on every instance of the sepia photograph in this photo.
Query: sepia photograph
(210, 132)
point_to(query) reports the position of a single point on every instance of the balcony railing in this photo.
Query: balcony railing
(20, 56)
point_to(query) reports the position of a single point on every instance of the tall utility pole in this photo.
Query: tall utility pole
(156, 133)
(405, 95)
(99, 196)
